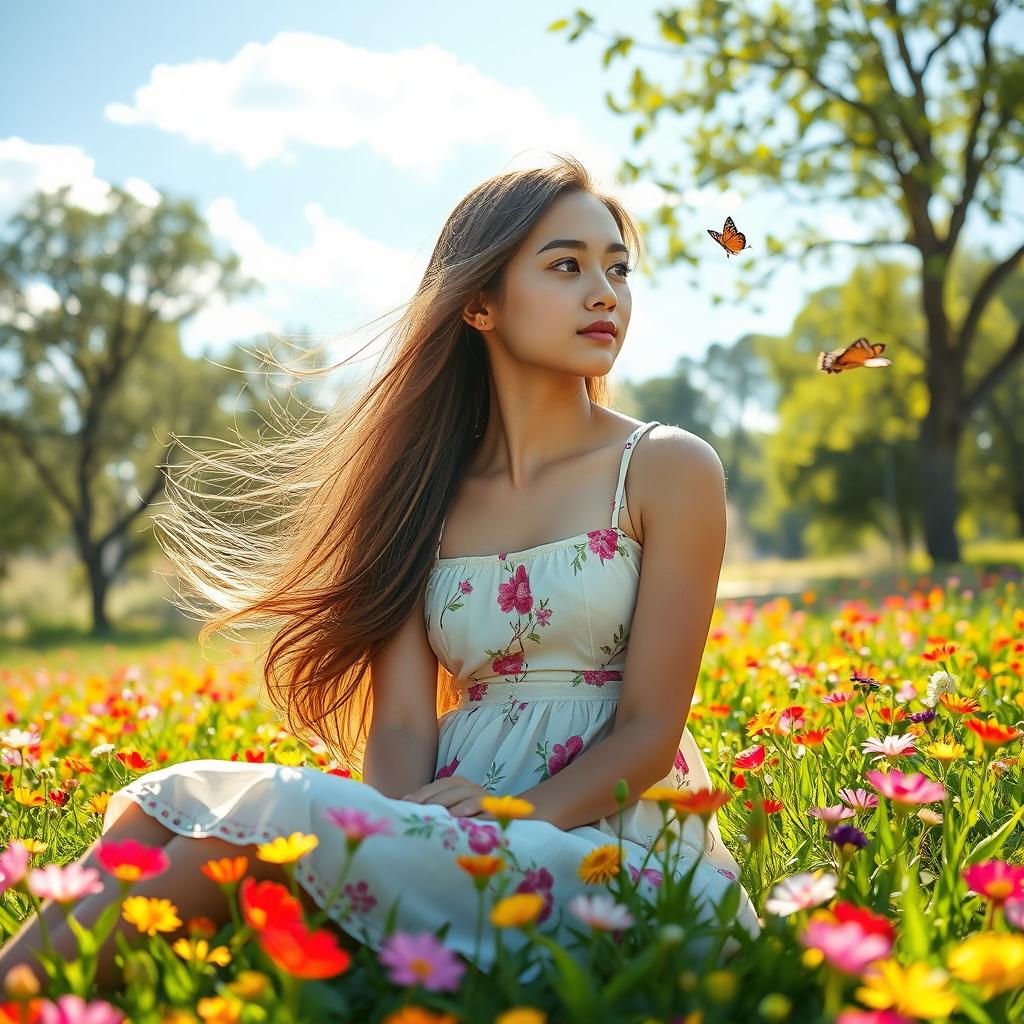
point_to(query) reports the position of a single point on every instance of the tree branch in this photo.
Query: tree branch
(43, 471)
(986, 291)
(995, 373)
(155, 487)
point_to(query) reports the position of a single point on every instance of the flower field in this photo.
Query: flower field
(866, 754)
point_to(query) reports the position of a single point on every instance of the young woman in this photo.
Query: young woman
(454, 553)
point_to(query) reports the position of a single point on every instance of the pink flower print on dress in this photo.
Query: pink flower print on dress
(541, 882)
(600, 676)
(564, 754)
(465, 586)
(515, 593)
(652, 875)
(482, 838)
(603, 543)
(543, 615)
(728, 874)
(477, 691)
(509, 664)
(448, 770)
(681, 764)
(362, 899)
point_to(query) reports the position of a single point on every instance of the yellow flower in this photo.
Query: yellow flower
(946, 749)
(199, 951)
(506, 806)
(249, 985)
(98, 803)
(172, 1016)
(287, 850)
(915, 991)
(660, 793)
(34, 845)
(28, 797)
(993, 961)
(600, 865)
(289, 756)
(151, 915)
(517, 910)
(219, 1010)
(521, 1015)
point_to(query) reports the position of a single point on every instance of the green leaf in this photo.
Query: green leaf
(633, 973)
(914, 931)
(991, 845)
(572, 982)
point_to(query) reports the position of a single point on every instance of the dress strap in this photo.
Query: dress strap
(619, 502)
(437, 553)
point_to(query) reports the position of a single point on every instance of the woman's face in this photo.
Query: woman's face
(553, 291)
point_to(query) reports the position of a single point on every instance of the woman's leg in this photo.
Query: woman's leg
(192, 893)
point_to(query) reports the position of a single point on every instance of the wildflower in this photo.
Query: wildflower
(996, 880)
(801, 892)
(268, 903)
(601, 911)
(70, 1007)
(889, 747)
(199, 951)
(845, 945)
(506, 808)
(357, 825)
(750, 759)
(995, 962)
(14, 862)
(859, 799)
(837, 698)
(226, 870)
(923, 717)
(906, 791)
(918, 990)
(521, 1015)
(480, 865)
(848, 838)
(600, 865)
(703, 802)
(872, 1017)
(938, 683)
(1013, 911)
(421, 960)
(419, 1015)
(769, 806)
(959, 705)
(992, 733)
(946, 749)
(282, 850)
(64, 884)
(151, 915)
(869, 921)
(132, 861)
(212, 1010)
(928, 816)
(516, 910)
(304, 953)
(249, 985)
(832, 815)
(763, 721)
(811, 737)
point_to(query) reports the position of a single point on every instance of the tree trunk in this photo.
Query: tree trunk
(939, 441)
(99, 585)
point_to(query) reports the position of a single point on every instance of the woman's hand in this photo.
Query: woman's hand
(458, 794)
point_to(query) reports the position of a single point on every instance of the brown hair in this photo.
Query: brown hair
(333, 539)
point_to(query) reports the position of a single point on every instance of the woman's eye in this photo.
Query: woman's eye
(624, 272)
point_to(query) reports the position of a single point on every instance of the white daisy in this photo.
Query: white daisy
(800, 892)
(890, 746)
(600, 910)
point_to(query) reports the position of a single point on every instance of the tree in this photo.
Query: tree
(912, 109)
(96, 369)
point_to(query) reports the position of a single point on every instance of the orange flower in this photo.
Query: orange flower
(992, 733)
(701, 801)
(268, 904)
(811, 737)
(226, 870)
(480, 865)
(938, 653)
(959, 705)
(304, 953)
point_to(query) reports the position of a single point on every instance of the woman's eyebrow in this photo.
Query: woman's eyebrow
(575, 243)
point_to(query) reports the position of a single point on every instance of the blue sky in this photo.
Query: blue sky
(327, 142)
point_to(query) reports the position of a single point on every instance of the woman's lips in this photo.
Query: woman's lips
(603, 336)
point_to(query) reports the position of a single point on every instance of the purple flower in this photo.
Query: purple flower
(421, 960)
(848, 835)
(923, 716)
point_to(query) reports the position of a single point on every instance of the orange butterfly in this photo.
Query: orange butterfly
(860, 353)
(729, 238)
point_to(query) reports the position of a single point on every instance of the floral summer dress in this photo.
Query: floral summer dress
(537, 639)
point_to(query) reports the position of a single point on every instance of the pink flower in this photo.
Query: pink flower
(71, 1009)
(508, 664)
(873, 1017)
(800, 892)
(561, 755)
(132, 861)
(996, 880)
(891, 747)
(64, 884)
(906, 790)
(600, 676)
(604, 543)
(749, 759)
(482, 838)
(601, 911)
(539, 881)
(543, 614)
(14, 863)
(515, 593)
(837, 699)
(1013, 911)
(680, 763)
(356, 824)
(449, 769)
(421, 960)
(845, 945)
(859, 799)
(465, 587)
(652, 875)
(832, 815)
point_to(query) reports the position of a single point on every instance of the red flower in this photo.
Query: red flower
(938, 653)
(750, 759)
(992, 733)
(132, 759)
(770, 806)
(132, 861)
(870, 922)
(268, 904)
(811, 737)
(304, 953)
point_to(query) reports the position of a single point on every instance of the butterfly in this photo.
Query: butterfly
(860, 353)
(729, 238)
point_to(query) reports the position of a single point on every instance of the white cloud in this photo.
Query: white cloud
(414, 108)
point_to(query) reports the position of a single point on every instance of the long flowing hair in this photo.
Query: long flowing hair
(327, 533)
